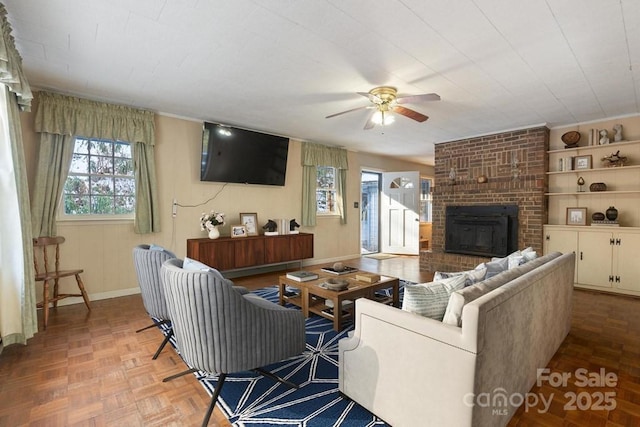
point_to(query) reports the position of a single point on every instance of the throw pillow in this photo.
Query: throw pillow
(530, 255)
(474, 276)
(496, 266)
(516, 261)
(430, 299)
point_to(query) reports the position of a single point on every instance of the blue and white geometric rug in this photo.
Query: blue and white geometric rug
(250, 399)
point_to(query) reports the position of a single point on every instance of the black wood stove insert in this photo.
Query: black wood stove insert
(489, 230)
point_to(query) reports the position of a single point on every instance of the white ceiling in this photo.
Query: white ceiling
(281, 66)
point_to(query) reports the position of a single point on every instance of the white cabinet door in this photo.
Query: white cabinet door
(627, 271)
(595, 254)
(565, 241)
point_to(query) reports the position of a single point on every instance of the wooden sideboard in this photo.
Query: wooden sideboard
(228, 253)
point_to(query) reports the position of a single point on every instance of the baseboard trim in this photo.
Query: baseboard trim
(100, 296)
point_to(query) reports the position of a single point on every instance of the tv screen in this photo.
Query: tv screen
(237, 155)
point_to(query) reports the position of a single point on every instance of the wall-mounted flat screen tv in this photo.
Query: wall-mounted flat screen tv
(236, 155)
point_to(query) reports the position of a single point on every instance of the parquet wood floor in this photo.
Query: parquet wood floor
(94, 370)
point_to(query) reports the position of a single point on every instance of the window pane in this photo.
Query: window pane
(77, 185)
(125, 205)
(321, 200)
(102, 148)
(326, 177)
(125, 187)
(102, 205)
(123, 167)
(81, 146)
(101, 165)
(79, 163)
(76, 205)
(101, 185)
(122, 149)
(401, 182)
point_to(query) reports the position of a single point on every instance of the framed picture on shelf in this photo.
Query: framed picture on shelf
(582, 162)
(238, 231)
(250, 221)
(576, 216)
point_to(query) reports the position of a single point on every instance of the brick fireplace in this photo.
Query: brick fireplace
(514, 164)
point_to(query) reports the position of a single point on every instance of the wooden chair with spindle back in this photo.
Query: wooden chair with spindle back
(45, 273)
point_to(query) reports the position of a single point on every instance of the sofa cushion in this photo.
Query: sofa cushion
(431, 299)
(458, 299)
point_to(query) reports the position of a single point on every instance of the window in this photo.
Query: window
(100, 180)
(326, 190)
(425, 200)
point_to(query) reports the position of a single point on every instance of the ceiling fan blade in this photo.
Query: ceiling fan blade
(370, 123)
(412, 114)
(418, 98)
(348, 111)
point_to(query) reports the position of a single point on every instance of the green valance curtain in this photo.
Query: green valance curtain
(314, 155)
(18, 318)
(59, 118)
(65, 115)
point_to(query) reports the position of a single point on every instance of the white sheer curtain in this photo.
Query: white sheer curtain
(11, 249)
(18, 319)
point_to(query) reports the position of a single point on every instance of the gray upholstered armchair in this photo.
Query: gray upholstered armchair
(220, 331)
(148, 262)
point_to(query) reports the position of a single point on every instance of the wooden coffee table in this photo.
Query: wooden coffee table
(312, 296)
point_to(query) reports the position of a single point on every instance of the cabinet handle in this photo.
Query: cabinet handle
(611, 241)
(611, 278)
(617, 279)
(580, 255)
(618, 242)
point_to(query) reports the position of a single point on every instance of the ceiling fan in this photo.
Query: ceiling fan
(385, 100)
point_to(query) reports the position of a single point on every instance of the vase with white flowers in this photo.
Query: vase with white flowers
(210, 222)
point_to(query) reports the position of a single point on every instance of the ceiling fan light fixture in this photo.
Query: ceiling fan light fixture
(383, 118)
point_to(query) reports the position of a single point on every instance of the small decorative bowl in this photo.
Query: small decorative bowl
(598, 186)
(597, 216)
(571, 138)
(337, 284)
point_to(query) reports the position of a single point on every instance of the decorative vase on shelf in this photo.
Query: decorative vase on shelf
(611, 213)
(214, 233)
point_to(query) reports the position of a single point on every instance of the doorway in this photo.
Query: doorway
(370, 185)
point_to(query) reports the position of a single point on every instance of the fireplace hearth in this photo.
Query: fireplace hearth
(489, 230)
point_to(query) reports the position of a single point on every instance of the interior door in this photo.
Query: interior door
(400, 208)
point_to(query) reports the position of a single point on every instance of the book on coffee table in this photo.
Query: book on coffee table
(302, 276)
(345, 270)
(368, 277)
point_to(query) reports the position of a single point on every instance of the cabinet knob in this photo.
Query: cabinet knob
(547, 237)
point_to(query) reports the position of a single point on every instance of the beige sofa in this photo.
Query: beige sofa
(411, 370)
